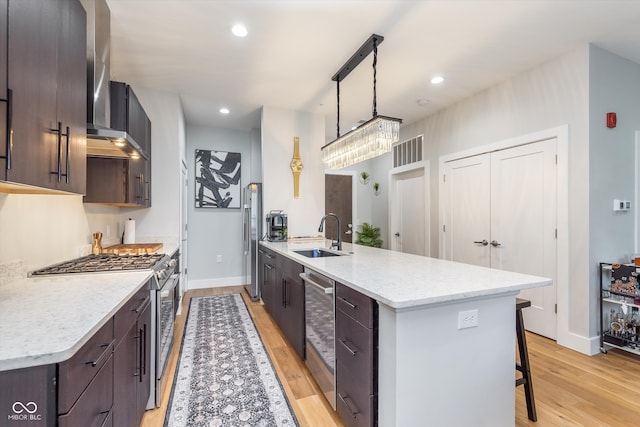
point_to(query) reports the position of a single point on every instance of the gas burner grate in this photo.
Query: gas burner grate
(102, 263)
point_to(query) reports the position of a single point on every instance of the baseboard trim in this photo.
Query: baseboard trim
(584, 345)
(215, 283)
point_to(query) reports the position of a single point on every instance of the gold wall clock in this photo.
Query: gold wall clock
(296, 167)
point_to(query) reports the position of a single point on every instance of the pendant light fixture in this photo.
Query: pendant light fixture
(371, 138)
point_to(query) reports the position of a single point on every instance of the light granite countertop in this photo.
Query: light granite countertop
(401, 280)
(47, 319)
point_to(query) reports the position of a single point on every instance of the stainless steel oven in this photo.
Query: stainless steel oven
(163, 310)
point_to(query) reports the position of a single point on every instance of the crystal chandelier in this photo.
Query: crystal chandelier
(373, 137)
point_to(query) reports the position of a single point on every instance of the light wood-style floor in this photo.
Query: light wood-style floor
(570, 389)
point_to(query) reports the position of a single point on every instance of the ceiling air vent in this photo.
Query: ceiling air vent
(407, 152)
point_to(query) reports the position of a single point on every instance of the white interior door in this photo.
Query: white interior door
(500, 212)
(523, 224)
(467, 206)
(408, 207)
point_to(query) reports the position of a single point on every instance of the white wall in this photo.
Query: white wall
(279, 126)
(576, 89)
(214, 232)
(548, 96)
(614, 86)
(45, 229)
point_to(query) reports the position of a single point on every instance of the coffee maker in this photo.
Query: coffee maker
(276, 226)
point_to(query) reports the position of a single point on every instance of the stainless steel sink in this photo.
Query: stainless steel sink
(317, 253)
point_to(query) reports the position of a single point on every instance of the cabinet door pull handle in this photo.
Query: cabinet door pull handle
(106, 411)
(58, 133)
(68, 163)
(284, 293)
(9, 131)
(346, 301)
(348, 347)
(269, 267)
(141, 354)
(107, 351)
(344, 400)
(141, 306)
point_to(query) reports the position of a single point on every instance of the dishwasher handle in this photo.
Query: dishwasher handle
(307, 279)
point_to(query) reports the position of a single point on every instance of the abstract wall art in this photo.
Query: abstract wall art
(217, 179)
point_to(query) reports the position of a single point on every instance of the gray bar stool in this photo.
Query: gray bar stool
(524, 367)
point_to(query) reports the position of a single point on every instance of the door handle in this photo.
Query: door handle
(495, 244)
(397, 234)
(483, 242)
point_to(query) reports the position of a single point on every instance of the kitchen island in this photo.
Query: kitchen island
(430, 371)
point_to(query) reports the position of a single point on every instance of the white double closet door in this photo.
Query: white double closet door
(500, 212)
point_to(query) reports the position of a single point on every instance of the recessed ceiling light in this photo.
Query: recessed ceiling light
(437, 80)
(224, 111)
(239, 30)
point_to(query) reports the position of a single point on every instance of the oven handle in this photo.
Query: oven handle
(169, 285)
(307, 279)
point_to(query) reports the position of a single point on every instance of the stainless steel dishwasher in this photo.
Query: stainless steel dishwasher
(320, 331)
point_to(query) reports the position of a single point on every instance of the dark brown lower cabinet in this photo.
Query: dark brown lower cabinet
(356, 357)
(292, 316)
(282, 292)
(131, 377)
(28, 396)
(269, 276)
(94, 405)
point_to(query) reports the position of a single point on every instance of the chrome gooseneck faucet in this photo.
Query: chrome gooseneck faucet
(337, 244)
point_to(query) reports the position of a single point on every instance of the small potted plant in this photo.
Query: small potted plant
(364, 177)
(376, 188)
(369, 236)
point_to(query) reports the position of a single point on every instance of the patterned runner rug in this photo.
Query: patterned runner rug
(224, 376)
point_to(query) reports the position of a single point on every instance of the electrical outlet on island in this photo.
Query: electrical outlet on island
(467, 319)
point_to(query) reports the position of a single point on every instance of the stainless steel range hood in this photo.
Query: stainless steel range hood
(102, 140)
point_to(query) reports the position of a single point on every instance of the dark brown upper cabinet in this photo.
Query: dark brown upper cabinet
(45, 142)
(123, 181)
(127, 115)
(118, 181)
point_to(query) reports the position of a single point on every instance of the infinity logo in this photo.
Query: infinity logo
(19, 407)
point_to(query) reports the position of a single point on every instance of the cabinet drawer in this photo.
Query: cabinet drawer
(355, 350)
(128, 314)
(76, 373)
(270, 257)
(355, 405)
(355, 304)
(94, 406)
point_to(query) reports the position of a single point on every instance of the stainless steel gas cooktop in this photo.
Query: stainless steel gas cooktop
(102, 263)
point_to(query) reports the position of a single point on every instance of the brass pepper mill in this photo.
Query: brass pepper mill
(96, 249)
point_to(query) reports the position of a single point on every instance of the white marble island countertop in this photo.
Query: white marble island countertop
(47, 319)
(401, 280)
